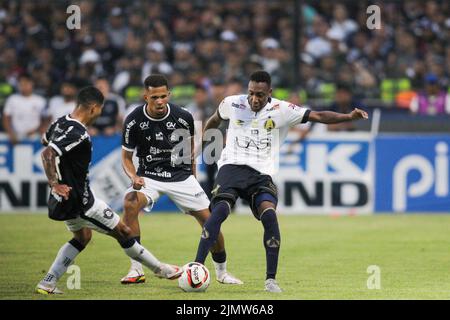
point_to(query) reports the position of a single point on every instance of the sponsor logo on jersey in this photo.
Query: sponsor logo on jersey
(148, 138)
(174, 137)
(293, 106)
(183, 122)
(163, 174)
(74, 144)
(199, 194)
(144, 125)
(58, 129)
(269, 124)
(249, 143)
(170, 125)
(275, 107)
(159, 136)
(238, 105)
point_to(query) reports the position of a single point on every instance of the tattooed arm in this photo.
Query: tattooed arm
(49, 162)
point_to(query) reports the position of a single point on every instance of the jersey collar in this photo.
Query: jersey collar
(69, 118)
(153, 119)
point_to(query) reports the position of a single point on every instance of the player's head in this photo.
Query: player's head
(25, 84)
(156, 94)
(259, 90)
(90, 102)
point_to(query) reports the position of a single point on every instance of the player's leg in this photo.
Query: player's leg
(136, 251)
(225, 193)
(134, 202)
(65, 257)
(218, 252)
(265, 205)
(104, 220)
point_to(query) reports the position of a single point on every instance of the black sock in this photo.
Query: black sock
(219, 257)
(211, 230)
(138, 239)
(272, 241)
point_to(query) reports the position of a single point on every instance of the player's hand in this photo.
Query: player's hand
(138, 183)
(62, 190)
(357, 114)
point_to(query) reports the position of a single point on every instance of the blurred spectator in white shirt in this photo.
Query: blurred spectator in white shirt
(23, 112)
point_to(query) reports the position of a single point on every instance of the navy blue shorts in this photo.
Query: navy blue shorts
(242, 181)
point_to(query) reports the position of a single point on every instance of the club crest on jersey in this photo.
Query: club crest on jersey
(144, 125)
(170, 125)
(269, 124)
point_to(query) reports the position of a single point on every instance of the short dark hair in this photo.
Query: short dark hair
(25, 76)
(156, 80)
(261, 76)
(88, 96)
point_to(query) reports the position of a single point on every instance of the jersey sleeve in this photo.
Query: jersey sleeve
(47, 134)
(224, 109)
(295, 114)
(191, 123)
(129, 134)
(64, 141)
(9, 105)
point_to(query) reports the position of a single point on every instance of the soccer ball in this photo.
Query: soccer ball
(195, 277)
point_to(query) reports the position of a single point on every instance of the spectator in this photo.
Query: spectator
(433, 100)
(110, 120)
(23, 112)
(64, 103)
(343, 102)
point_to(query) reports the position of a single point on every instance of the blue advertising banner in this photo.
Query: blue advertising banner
(412, 174)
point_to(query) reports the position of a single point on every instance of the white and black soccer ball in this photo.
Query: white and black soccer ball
(195, 277)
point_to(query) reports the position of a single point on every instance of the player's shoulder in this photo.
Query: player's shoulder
(181, 112)
(237, 98)
(136, 114)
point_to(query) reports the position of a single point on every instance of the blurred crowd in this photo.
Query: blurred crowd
(207, 49)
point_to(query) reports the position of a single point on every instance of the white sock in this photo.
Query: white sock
(66, 255)
(142, 255)
(136, 265)
(221, 268)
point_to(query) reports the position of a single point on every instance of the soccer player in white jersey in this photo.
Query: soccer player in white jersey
(66, 160)
(155, 130)
(258, 124)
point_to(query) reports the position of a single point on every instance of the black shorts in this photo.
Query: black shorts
(235, 181)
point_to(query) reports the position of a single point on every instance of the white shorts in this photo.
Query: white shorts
(188, 195)
(100, 217)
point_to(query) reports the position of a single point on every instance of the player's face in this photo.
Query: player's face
(258, 95)
(157, 99)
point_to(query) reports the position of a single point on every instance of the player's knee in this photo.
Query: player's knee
(123, 231)
(83, 237)
(131, 204)
(265, 206)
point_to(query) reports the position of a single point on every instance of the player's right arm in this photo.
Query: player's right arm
(128, 146)
(130, 170)
(49, 162)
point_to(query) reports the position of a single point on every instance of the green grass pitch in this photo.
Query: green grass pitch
(321, 257)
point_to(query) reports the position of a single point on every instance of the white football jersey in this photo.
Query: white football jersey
(254, 138)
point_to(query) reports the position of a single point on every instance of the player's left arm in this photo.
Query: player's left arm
(329, 117)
